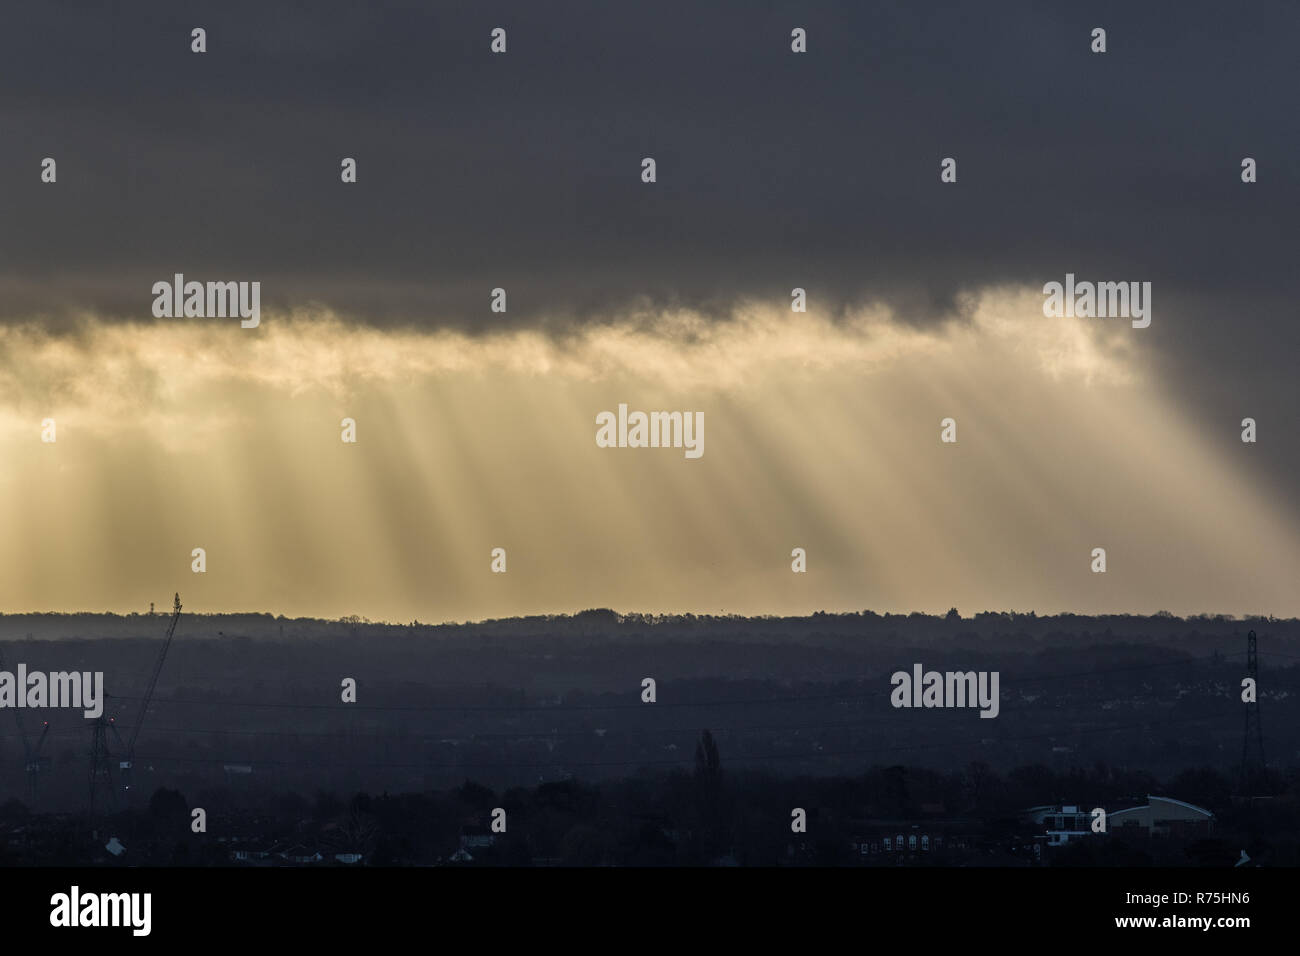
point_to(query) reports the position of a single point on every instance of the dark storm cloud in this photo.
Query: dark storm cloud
(775, 170)
(522, 170)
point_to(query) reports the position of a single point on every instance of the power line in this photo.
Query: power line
(556, 708)
(690, 759)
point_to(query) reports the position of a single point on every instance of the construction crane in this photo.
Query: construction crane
(129, 759)
(33, 763)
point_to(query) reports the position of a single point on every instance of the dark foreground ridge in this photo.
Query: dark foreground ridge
(299, 731)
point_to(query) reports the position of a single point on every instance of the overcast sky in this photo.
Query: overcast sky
(775, 170)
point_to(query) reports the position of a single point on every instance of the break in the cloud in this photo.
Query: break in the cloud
(114, 376)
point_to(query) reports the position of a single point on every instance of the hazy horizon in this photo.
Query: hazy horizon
(164, 612)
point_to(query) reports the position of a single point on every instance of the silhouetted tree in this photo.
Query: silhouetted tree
(166, 804)
(1203, 786)
(708, 794)
(291, 806)
(583, 845)
(476, 795)
(708, 765)
(979, 777)
(328, 806)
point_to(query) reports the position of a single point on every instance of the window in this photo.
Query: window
(911, 842)
(925, 843)
(889, 845)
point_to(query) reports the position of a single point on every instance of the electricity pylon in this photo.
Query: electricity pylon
(1254, 771)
